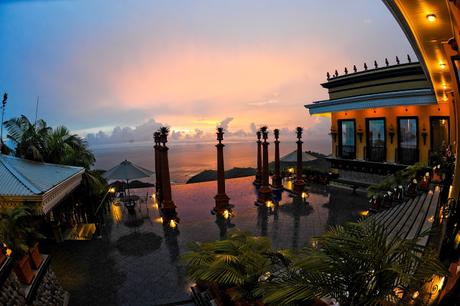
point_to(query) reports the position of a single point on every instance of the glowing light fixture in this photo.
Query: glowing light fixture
(444, 97)
(112, 190)
(269, 204)
(364, 213)
(442, 65)
(415, 295)
(159, 220)
(304, 195)
(431, 17)
(172, 224)
(291, 170)
(226, 214)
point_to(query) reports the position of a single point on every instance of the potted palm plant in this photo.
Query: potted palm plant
(15, 233)
(234, 264)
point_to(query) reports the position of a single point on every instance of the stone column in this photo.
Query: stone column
(221, 197)
(156, 137)
(168, 207)
(276, 179)
(265, 192)
(299, 183)
(258, 180)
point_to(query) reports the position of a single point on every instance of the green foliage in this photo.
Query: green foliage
(357, 265)
(237, 261)
(39, 142)
(15, 229)
(29, 139)
(401, 177)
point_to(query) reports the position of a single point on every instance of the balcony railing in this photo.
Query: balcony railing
(407, 156)
(376, 154)
(348, 152)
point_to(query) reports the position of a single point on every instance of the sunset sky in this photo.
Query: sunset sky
(188, 64)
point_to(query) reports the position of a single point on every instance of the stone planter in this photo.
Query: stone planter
(35, 257)
(23, 270)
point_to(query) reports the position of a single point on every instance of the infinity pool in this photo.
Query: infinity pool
(135, 262)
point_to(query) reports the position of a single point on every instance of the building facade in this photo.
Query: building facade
(385, 118)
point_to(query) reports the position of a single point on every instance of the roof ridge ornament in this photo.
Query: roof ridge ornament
(376, 65)
(386, 62)
(397, 60)
(408, 58)
(365, 66)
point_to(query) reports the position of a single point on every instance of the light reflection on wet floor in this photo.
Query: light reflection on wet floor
(289, 224)
(135, 262)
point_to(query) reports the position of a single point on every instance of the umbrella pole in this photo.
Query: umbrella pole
(127, 186)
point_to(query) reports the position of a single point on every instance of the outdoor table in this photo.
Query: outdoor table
(130, 202)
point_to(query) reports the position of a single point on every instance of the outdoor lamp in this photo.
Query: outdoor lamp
(424, 134)
(391, 133)
(431, 17)
(304, 195)
(269, 204)
(360, 134)
(333, 134)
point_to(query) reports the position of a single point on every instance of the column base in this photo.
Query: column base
(222, 203)
(265, 194)
(169, 213)
(299, 186)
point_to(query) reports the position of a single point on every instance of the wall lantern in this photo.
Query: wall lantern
(360, 134)
(431, 17)
(333, 134)
(391, 133)
(424, 134)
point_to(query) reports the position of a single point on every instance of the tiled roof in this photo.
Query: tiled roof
(20, 177)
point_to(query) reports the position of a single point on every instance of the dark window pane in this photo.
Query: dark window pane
(347, 139)
(439, 133)
(376, 148)
(408, 142)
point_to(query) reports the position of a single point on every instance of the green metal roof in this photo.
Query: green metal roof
(21, 177)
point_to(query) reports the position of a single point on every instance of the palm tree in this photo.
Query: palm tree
(62, 147)
(356, 265)
(238, 261)
(42, 143)
(29, 139)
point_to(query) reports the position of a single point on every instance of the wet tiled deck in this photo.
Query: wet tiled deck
(138, 265)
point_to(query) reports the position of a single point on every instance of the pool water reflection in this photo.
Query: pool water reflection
(155, 277)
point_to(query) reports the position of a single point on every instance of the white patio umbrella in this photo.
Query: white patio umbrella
(126, 170)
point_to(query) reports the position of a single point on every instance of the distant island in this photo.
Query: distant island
(211, 175)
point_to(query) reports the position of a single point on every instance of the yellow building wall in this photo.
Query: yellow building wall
(391, 114)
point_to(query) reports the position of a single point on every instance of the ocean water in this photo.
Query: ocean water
(188, 159)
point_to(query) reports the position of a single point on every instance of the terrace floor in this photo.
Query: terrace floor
(135, 262)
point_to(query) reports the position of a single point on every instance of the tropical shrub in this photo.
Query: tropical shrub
(355, 264)
(237, 261)
(15, 229)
